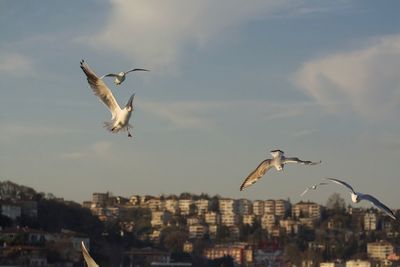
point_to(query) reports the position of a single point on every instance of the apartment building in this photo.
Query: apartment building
(379, 250)
(202, 206)
(244, 207)
(370, 221)
(268, 221)
(258, 207)
(306, 210)
(248, 219)
(227, 206)
(171, 205)
(184, 206)
(197, 230)
(212, 217)
(269, 206)
(159, 218)
(229, 219)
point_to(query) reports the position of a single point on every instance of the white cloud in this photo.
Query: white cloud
(153, 33)
(366, 80)
(14, 63)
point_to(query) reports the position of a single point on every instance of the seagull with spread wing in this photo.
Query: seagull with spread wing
(278, 161)
(313, 187)
(120, 77)
(357, 197)
(88, 259)
(119, 117)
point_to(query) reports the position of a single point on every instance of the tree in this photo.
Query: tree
(336, 203)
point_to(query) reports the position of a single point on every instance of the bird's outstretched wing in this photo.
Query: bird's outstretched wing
(88, 259)
(101, 90)
(109, 75)
(337, 181)
(378, 204)
(305, 191)
(135, 70)
(297, 160)
(256, 174)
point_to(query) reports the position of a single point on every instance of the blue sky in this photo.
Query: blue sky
(229, 82)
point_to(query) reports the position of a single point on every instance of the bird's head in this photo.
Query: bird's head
(129, 105)
(276, 153)
(121, 74)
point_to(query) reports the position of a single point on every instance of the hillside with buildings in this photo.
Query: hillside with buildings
(41, 230)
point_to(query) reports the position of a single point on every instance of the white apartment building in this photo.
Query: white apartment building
(159, 218)
(171, 205)
(258, 207)
(248, 219)
(244, 207)
(229, 219)
(306, 210)
(269, 206)
(268, 221)
(212, 217)
(281, 207)
(370, 221)
(227, 205)
(290, 226)
(184, 206)
(197, 230)
(379, 250)
(202, 206)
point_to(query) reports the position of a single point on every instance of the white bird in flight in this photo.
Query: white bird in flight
(313, 187)
(357, 197)
(278, 161)
(120, 77)
(120, 117)
(88, 259)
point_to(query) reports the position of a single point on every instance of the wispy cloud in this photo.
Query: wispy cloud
(14, 63)
(365, 80)
(101, 149)
(207, 114)
(154, 33)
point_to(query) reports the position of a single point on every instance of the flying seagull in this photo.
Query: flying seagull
(120, 117)
(313, 187)
(357, 197)
(278, 161)
(88, 259)
(120, 77)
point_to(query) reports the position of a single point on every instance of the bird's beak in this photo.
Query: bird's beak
(130, 101)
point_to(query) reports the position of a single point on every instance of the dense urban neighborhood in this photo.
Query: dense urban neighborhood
(39, 229)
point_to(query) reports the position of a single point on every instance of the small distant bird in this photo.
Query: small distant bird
(357, 197)
(88, 259)
(278, 161)
(314, 187)
(120, 117)
(120, 77)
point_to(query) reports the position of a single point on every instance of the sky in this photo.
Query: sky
(229, 81)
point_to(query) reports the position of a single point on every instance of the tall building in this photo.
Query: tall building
(227, 205)
(244, 207)
(202, 206)
(229, 219)
(281, 207)
(184, 206)
(258, 207)
(248, 219)
(171, 205)
(100, 199)
(370, 221)
(269, 206)
(268, 221)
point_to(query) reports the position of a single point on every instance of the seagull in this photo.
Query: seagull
(357, 197)
(88, 259)
(314, 187)
(278, 161)
(120, 77)
(120, 117)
